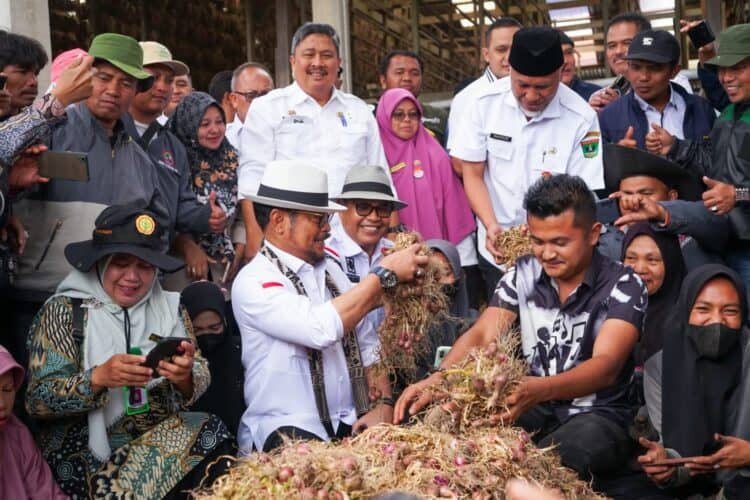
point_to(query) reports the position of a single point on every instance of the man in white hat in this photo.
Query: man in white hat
(306, 341)
(186, 214)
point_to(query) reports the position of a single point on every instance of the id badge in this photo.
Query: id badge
(136, 398)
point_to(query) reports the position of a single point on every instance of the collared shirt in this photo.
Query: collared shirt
(288, 124)
(563, 138)
(671, 118)
(233, 132)
(277, 326)
(556, 338)
(464, 100)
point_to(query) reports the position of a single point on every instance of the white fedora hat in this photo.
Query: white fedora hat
(295, 185)
(369, 183)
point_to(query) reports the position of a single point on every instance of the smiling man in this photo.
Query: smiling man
(653, 60)
(580, 314)
(186, 214)
(522, 128)
(569, 76)
(308, 120)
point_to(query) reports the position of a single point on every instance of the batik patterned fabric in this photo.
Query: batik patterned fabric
(151, 451)
(558, 337)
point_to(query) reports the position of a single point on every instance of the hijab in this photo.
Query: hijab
(697, 392)
(459, 303)
(212, 170)
(104, 336)
(660, 304)
(421, 170)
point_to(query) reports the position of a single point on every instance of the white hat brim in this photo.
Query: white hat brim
(275, 202)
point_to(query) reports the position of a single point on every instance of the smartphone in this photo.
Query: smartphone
(166, 347)
(3, 79)
(607, 210)
(440, 354)
(674, 461)
(621, 84)
(64, 165)
(701, 34)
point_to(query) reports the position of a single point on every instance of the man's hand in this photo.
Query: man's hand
(529, 393)
(719, 197)
(654, 452)
(121, 370)
(658, 141)
(20, 236)
(493, 231)
(705, 52)
(179, 370)
(382, 413)
(602, 97)
(734, 453)
(415, 397)
(405, 263)
(24, 173)
(74, 83)
(636, 208)
(196, 260)
(628, 140)
(217, 221)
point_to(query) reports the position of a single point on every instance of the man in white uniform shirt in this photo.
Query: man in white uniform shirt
(306, 342)
(308, 120)
(250, 80)
(525, 126)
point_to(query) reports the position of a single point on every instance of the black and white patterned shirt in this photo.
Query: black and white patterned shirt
(558, 337)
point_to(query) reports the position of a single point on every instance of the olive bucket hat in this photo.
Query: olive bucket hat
(127, 229)
(121, 51)
(734, 46)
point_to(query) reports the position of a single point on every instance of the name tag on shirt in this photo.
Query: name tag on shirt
(501, 137)
(295, 120)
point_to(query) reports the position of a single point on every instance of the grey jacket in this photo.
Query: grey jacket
(186, 213)
(61, 211)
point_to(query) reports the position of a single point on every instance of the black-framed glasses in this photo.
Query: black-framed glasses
(321, 219)
(249, 96)
(364, 209)
(401, 116)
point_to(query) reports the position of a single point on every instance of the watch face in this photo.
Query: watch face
(390, 279)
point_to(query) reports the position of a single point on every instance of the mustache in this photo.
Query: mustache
(322, 69)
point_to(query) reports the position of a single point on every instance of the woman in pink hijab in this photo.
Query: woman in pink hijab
(23, 471)
(421, 171)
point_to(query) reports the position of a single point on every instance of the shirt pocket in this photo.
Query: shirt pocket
(352, 140)
(293, 134)
(499, 151)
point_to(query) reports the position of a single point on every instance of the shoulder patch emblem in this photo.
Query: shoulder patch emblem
(590, 145)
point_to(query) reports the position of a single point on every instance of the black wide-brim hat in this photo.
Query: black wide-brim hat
(124, 229)
(621, 162)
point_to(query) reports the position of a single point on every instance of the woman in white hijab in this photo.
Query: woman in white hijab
(110, 425)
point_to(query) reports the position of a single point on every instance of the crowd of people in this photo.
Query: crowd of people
(213, 284)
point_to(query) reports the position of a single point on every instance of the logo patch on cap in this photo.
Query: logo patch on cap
(647, 40)
(145, 224)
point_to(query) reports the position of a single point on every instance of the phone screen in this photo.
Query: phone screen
(607, 210)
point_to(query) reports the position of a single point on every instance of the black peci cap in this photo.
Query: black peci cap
(536, 51)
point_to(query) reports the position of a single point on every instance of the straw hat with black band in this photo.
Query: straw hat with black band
(368, 183)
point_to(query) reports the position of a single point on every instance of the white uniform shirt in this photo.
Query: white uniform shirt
(464, 101)
(277, 326)
(288, 124)
(563, 138)
(234, 129)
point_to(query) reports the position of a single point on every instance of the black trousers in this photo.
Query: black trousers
(276, 438)
(490, 275)
(588, 443)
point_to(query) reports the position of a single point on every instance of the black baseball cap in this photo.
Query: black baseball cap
(128, 229)
(655, 46)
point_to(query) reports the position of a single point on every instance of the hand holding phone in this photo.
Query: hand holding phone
(607, 210)
(701, 34)
(166, 347)
(64, 165)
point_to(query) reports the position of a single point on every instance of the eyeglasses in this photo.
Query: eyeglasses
(249, 96)
(320, 219)
(364, 209)
(400, 115)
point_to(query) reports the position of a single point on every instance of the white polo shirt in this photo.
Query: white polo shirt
(564, 138)
(277, 325)
(288, 124)
(464, 101)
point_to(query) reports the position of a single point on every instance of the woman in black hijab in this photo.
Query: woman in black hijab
(657, 258)
(692, 384)
(204, 302)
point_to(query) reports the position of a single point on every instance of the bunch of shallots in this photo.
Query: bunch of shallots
(513, 243)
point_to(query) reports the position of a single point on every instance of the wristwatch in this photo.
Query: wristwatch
(388, 278)
(741, 194)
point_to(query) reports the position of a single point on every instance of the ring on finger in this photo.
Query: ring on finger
(419, 273)
(714, 208)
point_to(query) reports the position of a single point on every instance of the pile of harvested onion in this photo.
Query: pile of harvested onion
(513, 243)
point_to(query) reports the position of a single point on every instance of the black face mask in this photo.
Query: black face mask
(449, 290)
(209, 342)
(713, 341)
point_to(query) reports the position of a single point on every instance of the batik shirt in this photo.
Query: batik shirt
(557, 337)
